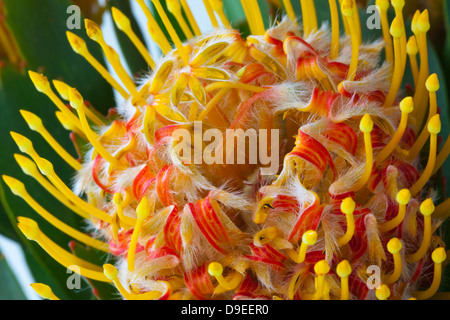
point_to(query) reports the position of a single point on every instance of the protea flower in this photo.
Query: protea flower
(354, 191)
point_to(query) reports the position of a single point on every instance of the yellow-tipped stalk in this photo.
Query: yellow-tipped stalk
(217, 6)
(112, 274)
(290, 10)
(43, 85)
(154, 29)
(30, 169)
(335, 35)
(406, 107)
(383, 6)
(412, 49)
(403, 198)
(394, 246)
(321, 269)
(35, 124)
(77, 102)
(439, 256)
(383, 292)
(215, 269)
(432, 86)
(79, 46)
(211, 15)
(18, 188)
(422, 26)
(190, 16)
(434, 128)
(366, 127)
(344, 270)
(397, 31)
(44, 291)
(31, 230)
(348, 207)
(174, 7)
(173, 34)
(426, 208)
(123, 23)
(143, 212)
(347, 9)
(309, 238)
(94, 32)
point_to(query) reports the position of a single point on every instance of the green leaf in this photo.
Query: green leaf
(39, 29)
(10, 288)
(135, 61)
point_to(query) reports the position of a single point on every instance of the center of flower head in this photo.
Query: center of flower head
(176, 191)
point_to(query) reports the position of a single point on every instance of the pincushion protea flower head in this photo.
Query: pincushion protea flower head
(352, 191)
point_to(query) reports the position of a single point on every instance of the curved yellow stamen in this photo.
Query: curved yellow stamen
(397, 31)
(111, 273)
(398, 6)
(334, 29)
(143, 212)
(394, 246)
(434, 127)
(126, 222)
(35, 124)
(211, 15)
(295, 283)
(30, 169)
(344, 270)
(403, 198)
(18, 188)
(439, 256)
(426, 208)
(432, 85)
(94, 32)
(442, 210)
(321, 269)
(406, 106)
(217, 5)
(65, 122)
(420, 97)
(183, 52)
(289, 10)
(79, 46)
(305, 18)
(44, 291)
(348, 207)
(63, 90)
(46, 169)
(383, 7)
(43, 85)
(215, 269)
(265, 236)
(311, 10)
(31, 230)
(174, 8)
(309, 238)
(263, 207)
(123, 23)
(366, 126)
(383, 292)
(212, 103)
(412, 49)
(191, 18)
(348, 12)
(154, 29)
(76, 101)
